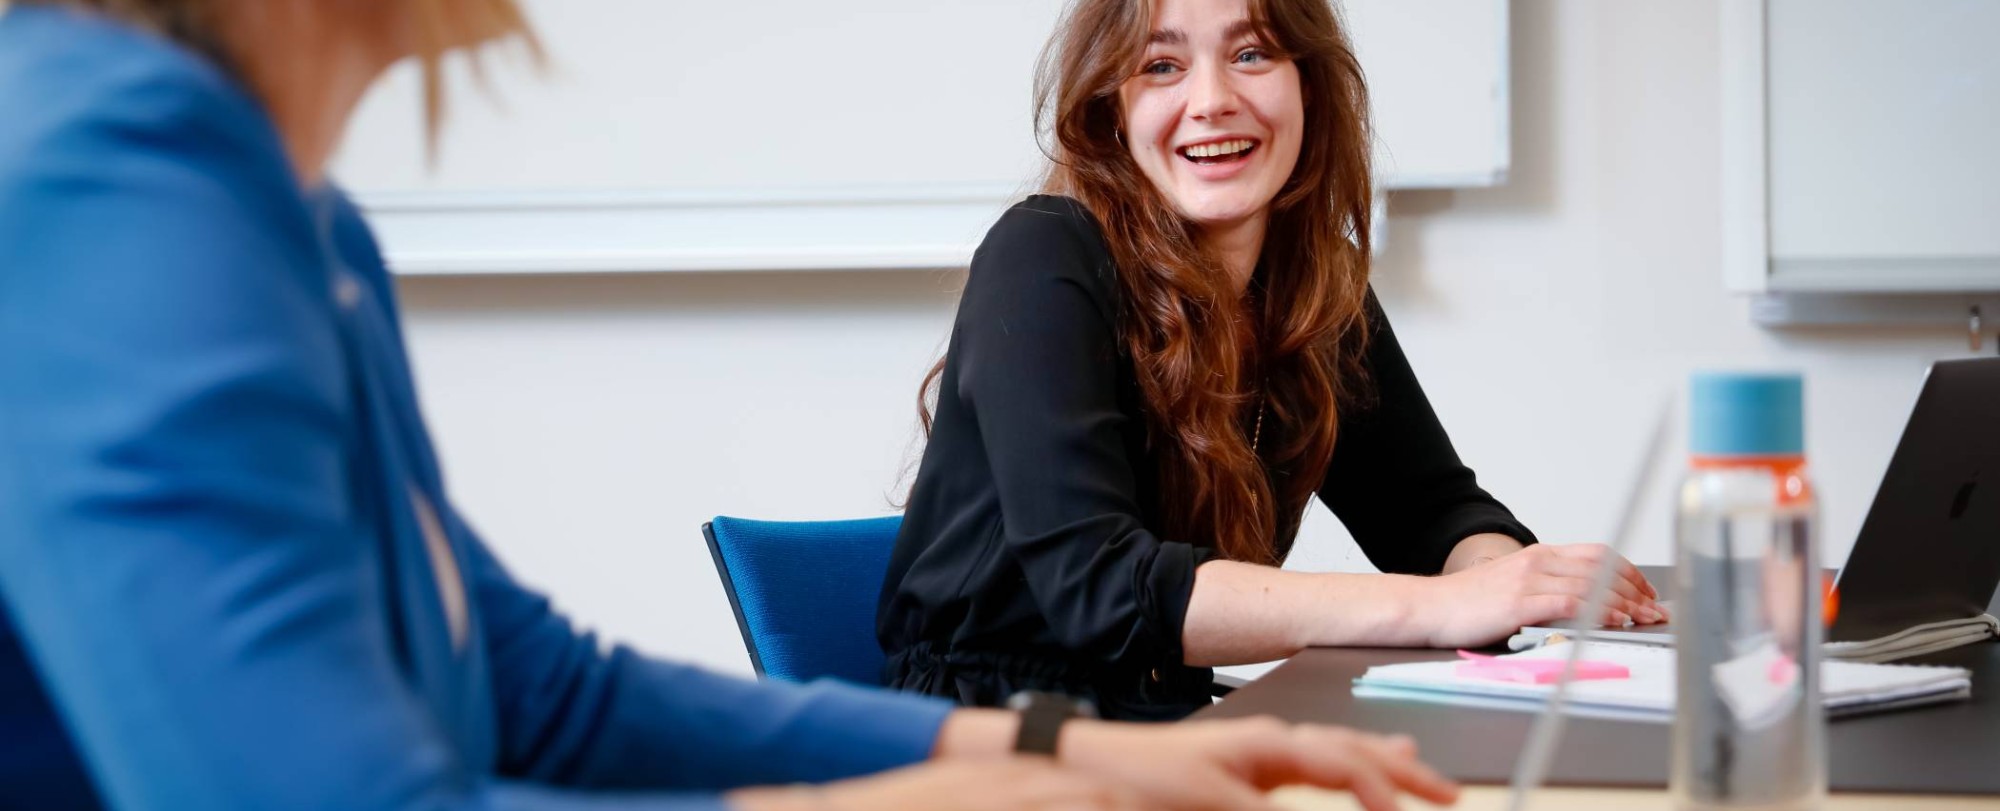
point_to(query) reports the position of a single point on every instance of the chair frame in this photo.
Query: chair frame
(735, 603)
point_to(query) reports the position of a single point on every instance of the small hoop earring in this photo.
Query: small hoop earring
(1118, 135)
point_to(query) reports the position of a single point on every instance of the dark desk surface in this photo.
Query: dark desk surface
(1949, 748)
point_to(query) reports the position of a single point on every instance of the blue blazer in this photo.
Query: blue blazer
(232, 575)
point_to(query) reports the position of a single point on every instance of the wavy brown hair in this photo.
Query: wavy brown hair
(1206, 362)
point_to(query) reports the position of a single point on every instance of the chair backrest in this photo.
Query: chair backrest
(805, 592)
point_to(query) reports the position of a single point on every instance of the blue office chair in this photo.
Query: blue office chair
(804, 593)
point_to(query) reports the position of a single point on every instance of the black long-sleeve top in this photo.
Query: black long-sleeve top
(1028, 557)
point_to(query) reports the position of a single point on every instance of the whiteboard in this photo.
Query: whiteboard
(802, 134)
(1882, 146)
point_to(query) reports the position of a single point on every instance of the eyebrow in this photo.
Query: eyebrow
(1174, 36)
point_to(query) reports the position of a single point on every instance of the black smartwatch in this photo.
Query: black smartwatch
(1042, 718)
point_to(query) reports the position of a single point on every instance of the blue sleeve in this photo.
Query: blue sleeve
(177, 547)
(573, 715)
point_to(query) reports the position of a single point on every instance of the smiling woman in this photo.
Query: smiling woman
(1147, 375)
(1188, 231)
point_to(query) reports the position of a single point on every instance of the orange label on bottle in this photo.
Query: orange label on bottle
(1789, 470)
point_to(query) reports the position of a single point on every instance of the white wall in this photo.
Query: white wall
(589, 424)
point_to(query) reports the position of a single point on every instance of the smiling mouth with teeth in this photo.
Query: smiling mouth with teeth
(1218, 152)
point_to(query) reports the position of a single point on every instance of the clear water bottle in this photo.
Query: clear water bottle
(1749, 728)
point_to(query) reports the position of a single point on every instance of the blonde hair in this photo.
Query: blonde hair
(441, 26)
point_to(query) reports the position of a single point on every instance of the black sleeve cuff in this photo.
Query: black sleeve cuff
(1166, 589)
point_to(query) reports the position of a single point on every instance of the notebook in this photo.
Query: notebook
(1847, 688)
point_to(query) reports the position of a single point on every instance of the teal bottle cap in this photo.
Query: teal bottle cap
(1746, 414)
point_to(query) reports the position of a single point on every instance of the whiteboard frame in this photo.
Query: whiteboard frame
(893, 227)
(1830, 291)
(841, 228)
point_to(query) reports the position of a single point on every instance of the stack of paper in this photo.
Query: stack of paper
(1847, 688)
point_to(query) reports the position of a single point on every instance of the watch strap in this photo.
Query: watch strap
(1042, 719)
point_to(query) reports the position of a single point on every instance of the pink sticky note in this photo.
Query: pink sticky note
(1534, 670)
(1783, 670)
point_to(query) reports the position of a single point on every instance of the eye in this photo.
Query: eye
(1158, 67)
(1252, 56)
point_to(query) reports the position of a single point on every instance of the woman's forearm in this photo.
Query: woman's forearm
(1491, 587)
(1242, 612)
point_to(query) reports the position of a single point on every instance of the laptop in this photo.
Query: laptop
(1924, 568)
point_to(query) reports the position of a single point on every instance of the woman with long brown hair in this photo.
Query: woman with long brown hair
(231, 575)
(1157, 363)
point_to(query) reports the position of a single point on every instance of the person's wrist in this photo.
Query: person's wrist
(1083, 741)
(1483, 547)
(977, 732)
(1424, 612)
(1475, 560)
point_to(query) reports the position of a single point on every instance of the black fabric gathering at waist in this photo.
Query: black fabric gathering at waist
(982, 678)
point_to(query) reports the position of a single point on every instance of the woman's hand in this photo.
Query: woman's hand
(1544, 583)
(989, 784)
(1190, 766)
(1203, 765)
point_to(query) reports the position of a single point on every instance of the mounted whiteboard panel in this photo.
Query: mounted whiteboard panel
(1878, 167)
(1885, 128)
(807, 135)
(1438, 81)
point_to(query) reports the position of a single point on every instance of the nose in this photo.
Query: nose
(1211, 94)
